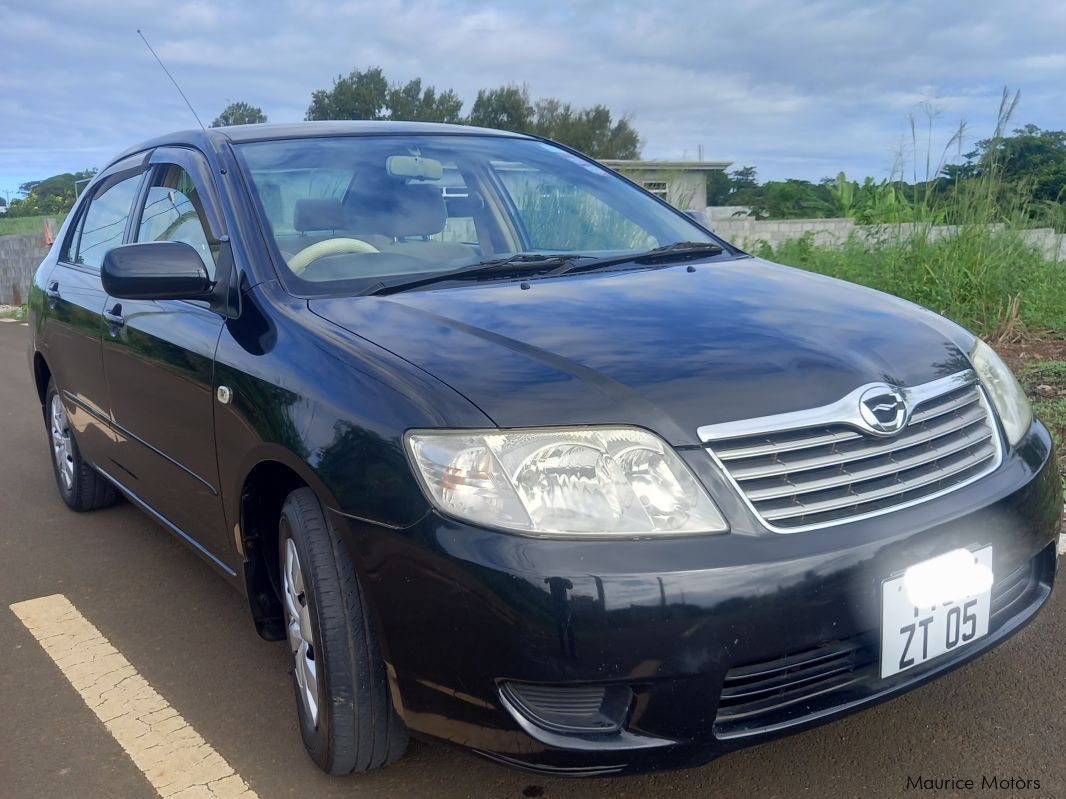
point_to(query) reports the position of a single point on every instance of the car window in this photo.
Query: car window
(347, 213)
(280, 189)
(559, 214)
(103, 224)
(173, 212)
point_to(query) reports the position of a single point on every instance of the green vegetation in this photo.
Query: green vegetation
(369, 95)
(239, 113)
(1045, 383)
(1027, 168)
(983, 273)
(19, 313)
(25, 225)
(991, 282)
(50, 197)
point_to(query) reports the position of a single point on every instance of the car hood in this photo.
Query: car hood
(666, 349)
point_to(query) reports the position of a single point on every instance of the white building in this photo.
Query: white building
(683, 184)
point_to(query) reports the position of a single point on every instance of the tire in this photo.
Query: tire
(346, 716)
(81, 486)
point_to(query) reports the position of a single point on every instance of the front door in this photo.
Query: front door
(159, 362)
(74, 303)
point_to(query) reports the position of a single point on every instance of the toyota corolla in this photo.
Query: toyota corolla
(512, 454)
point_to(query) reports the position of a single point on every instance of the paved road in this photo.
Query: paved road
(189, 636)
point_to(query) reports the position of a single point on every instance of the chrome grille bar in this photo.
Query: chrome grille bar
(820, 467)
(849, 478)
(836, 457)
(905, 439)
(851, 499)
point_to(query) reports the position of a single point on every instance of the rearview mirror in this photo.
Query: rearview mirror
(155, 270)
(414, 166)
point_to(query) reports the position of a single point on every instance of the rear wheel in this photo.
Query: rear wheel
(346, 717)
(80, 485)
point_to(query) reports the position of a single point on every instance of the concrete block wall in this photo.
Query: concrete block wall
(19, 258)
(748, 233)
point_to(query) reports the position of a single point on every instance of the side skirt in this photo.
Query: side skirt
(195, 545)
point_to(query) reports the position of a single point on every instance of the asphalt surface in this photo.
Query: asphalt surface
(191, 637)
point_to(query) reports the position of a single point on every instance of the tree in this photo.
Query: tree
(411, 102)
(239, 113)
(1030, 155)
(369, 95)
(361, 95)
(54, 195)
(590, 130)
(507, 108)
(843, 192)
(718, 187)
(739, 187)
(783, 199)
(743, 178)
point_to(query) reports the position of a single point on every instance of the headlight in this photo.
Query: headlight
(1015, 412)
(588, 482)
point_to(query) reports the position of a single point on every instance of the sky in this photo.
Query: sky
(796, 88)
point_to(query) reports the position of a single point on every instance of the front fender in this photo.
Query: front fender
(329, 405)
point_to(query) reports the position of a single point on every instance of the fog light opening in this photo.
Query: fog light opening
(582, 709)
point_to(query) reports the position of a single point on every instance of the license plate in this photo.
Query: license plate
(935, 607)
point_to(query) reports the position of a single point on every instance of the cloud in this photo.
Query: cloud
(799, 88)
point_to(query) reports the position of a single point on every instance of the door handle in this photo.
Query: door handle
(114, 317)
(52, 293)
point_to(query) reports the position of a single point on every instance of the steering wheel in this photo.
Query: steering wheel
(308, 255)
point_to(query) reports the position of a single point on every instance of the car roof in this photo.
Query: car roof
(211, 138)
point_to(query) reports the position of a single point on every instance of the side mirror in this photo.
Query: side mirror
(155, 270)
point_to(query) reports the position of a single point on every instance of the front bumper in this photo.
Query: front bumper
(463, 610)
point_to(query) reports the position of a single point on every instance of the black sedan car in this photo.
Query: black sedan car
(517, 456)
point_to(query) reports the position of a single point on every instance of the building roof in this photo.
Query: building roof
(627, 165)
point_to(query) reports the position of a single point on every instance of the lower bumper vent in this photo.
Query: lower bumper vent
(752, 694)
(570, 708)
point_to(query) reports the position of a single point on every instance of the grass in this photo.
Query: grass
(1045, 383)
(24, 225)
(7, 312)
(988, 280)
(981, 273)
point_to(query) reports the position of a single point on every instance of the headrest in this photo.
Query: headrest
(397, 210)
(318, 214)
(469, 205)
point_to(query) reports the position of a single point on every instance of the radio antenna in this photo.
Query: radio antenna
(176, 86)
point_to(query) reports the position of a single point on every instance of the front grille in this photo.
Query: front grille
(791, 687)
(824, 474)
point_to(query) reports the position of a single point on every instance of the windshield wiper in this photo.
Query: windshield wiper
(537, 262)
(522, 262)
(668, 253)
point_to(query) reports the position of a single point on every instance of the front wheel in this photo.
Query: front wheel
(80, 485)
(346, 717)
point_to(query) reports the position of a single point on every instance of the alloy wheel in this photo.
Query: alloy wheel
(62, 451)
(300, 632)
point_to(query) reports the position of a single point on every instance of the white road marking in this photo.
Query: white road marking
(1062, 544)
(174, 758)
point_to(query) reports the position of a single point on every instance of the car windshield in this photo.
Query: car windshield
(350, 212)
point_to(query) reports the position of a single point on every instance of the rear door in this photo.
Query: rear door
(75, 301)
(159, 361)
